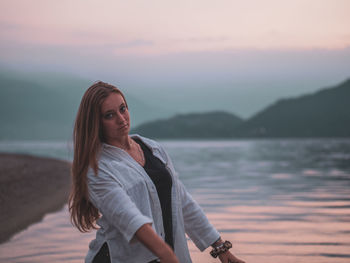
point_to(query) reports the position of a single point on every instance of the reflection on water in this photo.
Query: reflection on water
(277, 200)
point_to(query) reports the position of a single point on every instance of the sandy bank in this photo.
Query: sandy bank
(30, 187)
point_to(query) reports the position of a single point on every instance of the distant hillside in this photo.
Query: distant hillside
(43, 105)
(325, 113)
(31, 111)
(196, 125)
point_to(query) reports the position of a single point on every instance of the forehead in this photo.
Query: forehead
(112, 102)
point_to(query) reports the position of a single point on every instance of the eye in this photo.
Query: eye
(109, 115)
(123, 109)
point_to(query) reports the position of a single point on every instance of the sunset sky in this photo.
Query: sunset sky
(284, 47)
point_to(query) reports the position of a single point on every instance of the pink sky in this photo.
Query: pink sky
(142, 27)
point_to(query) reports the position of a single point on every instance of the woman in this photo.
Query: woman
(127, 185)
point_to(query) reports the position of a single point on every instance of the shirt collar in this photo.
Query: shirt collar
(155, 148)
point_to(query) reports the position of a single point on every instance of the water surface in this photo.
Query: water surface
(277, 200)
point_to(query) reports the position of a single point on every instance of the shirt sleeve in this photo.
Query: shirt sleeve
(197, 225)
(115, 204)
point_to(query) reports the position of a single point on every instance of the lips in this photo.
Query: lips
(124, 126)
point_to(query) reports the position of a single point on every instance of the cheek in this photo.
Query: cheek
(106, 127)
(127, 116)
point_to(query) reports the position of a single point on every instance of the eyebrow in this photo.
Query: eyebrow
(108, 111)
(112, 110)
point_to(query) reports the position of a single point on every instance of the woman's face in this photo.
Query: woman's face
(115, 118)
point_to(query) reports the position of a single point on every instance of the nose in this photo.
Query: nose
(120, 118)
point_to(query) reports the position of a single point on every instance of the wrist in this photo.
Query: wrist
(165, 252)
(217, 243)
(221, 249)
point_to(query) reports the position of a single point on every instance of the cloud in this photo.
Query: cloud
(113, 40)
(134, 43)
(22, 36)
(10, 26)
(203, 39)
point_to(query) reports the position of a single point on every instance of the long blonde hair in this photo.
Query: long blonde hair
(87, 139)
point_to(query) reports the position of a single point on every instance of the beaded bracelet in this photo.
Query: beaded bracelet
(216, 251)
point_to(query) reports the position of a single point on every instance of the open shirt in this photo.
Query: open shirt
(127, 199)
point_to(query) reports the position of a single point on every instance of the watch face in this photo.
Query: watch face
(221, 249)
(213, 254)
(228, 244)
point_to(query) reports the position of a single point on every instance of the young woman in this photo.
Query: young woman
(127, 185)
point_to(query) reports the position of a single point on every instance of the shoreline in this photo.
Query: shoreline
(30, 187)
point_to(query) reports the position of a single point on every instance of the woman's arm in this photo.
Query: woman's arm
(197, 225)
(147, 236)
(122, 213)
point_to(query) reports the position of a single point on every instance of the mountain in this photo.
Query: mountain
(216, 124)
(44, 105)
(325, 113)
(29, 110)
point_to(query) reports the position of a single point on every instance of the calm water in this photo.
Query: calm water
(277, 200)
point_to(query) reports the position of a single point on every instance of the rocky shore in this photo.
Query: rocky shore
(30, 187)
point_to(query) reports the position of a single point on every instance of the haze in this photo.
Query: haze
(184, 55)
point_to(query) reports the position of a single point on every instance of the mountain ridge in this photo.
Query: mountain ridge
(44, 107)
(193, 125)
(324, 113)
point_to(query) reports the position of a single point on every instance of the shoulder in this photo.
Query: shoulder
(110, 165)
(154, 145)
(157, 149)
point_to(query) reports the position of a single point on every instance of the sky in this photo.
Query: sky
(184, 55)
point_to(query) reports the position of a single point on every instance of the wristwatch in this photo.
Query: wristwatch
(216, 251)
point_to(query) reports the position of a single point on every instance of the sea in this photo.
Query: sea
(276, 200)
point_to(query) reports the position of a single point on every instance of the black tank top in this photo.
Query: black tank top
(161, 178)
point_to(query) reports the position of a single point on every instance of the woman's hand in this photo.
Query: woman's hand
(228, 257)
(167, 255)
(170, 258)
(147, 236)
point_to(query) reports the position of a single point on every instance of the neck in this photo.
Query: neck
(123, 142)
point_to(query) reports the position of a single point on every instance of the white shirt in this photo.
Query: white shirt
(127, 199)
